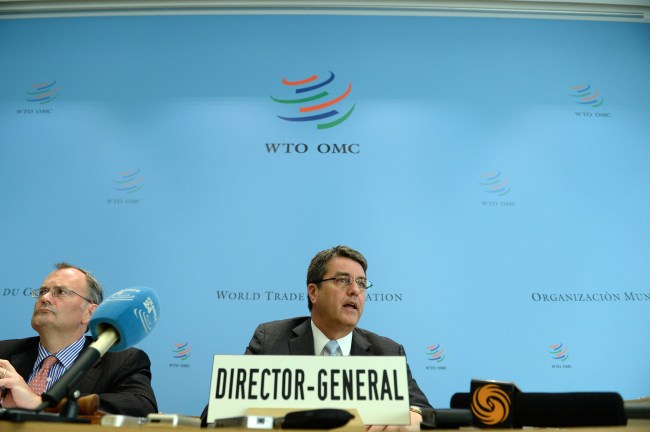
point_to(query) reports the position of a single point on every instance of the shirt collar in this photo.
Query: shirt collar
(66, 356)
(320, 340)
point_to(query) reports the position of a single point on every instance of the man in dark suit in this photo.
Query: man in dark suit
(64, 305)
(336, 290)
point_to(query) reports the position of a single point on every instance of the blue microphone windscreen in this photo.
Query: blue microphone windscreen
(133, 312)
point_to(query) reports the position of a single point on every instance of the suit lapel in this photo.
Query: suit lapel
(24, 362)
(302, 342)
(360, 345)
(92, 376)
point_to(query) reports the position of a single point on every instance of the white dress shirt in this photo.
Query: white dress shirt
(345, 343)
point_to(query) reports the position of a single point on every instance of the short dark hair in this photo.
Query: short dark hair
(318, 266)
(95, 291)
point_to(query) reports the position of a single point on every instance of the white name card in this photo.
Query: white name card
(376, 386)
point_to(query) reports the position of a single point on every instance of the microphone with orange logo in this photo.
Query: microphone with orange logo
(496, 404)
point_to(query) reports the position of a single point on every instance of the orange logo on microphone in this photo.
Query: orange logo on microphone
(490, 404)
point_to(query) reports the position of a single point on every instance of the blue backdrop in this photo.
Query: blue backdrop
(493, 171)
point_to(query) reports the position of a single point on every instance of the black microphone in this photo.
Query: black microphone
(122, 320)
(637, 408)
(460, 401)
(574, 409)
(323, 418)
(445, 418)
(569, 409)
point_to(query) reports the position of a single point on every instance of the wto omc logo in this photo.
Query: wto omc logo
(43, 93)
(129, 181)
(309, 100)
(559, 352)
(585, 95)
(494, 183)
(182, 351)
(436, 353)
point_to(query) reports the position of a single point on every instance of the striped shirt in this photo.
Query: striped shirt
(65, 358)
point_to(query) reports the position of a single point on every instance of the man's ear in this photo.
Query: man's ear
(89, 312)
(312, 292)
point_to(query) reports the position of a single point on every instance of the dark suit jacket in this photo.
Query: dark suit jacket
(294, 337)
(121, 379)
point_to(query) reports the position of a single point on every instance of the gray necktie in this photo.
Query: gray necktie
(332, 348)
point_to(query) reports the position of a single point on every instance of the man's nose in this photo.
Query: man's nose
(47, 297)
(354, 288)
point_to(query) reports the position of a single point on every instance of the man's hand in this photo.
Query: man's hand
(416, 419)
(15, 391)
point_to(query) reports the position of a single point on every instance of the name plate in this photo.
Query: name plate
(376, 386)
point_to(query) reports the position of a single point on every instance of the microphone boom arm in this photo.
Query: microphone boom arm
(66, 385)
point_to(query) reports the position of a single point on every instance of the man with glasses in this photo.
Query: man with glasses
(64, 305)
(336, 291)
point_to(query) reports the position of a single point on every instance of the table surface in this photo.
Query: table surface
(6, 426)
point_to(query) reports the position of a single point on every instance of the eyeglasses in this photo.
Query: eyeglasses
(57, 292)
(346, 282)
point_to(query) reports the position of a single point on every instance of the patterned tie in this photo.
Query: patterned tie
(39, 382)
(332, 348)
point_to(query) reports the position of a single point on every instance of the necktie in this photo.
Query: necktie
(332, 348)
(39, 382)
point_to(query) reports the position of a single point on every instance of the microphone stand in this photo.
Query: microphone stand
(68, 414)
(70, 409)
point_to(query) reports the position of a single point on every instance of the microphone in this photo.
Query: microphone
(445, 418)
(559, 409)
(120, 321)
(324, 418)
(637, 408)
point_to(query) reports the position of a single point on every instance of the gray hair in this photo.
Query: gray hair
(318, 266)
(95, 291)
